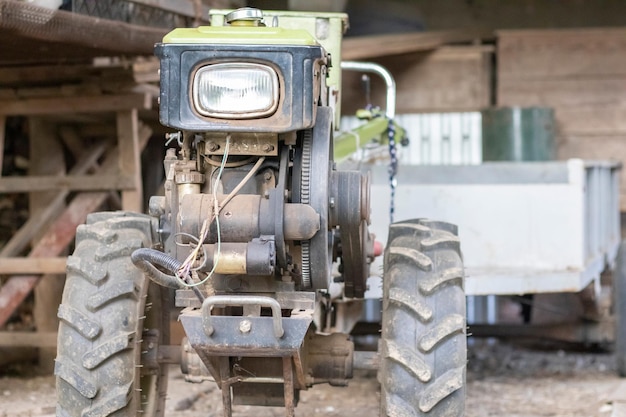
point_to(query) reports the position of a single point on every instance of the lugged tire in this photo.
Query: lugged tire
(108, 307)
(619, 309)
(423, 347)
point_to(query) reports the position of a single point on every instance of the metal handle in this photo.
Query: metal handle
(234, 300)
(390, 109)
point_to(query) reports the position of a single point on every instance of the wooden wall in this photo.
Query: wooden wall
(581, 74)
(452, 78)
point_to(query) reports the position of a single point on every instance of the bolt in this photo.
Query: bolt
(150, 345)
(332, 202)
(212, 147)
(267, 176)
(245, 326)
(267, 147)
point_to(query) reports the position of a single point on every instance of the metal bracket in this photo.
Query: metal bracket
(246, 300)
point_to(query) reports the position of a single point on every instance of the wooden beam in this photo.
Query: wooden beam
(46, 158)
(84, 104)
(22, 238)
(146, 71)
(36, 339)
(128, 143)
(540, 54)
(365, 47)
(54, 241)
(52, 74)
(30, 266)
(72, 140)
(73, 183)
(452, 78)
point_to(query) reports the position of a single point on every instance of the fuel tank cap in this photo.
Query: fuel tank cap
(245, 14)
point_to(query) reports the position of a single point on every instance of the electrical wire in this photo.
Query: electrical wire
(243, 182)
(233, 164)
(186, 268)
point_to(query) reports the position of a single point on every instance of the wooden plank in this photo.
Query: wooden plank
(146, 71)
(449, 79)
(130, 159)
(30, 266)
(47, 295)
(22, 238)
(558, 53)
(367, 47)
(71, 139)
(55, 240)
(595, 106)
(598, 120)
(36, 339)
(560, 93)
(85, 104)
(60, 75)
(74, 183)
(51, 74)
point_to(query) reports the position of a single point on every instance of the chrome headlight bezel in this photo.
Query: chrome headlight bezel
(237, 108)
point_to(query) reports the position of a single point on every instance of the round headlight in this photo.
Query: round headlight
(235, 90)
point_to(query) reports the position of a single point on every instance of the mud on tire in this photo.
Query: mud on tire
(423, 346)
(108, 308)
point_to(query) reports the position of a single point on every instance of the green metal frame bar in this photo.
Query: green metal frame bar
(374, 130)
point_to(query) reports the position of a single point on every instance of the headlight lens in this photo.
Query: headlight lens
(235, 90)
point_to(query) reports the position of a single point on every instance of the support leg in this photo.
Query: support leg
(289, 387)
(226, 396)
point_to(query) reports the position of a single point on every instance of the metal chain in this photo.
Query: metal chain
(393, 166)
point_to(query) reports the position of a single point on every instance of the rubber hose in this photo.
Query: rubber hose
(145, 259)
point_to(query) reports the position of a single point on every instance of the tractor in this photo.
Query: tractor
(260, 244)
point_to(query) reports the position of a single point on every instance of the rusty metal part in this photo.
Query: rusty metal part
(268, 382)
(290, 402)
(225, 386)
(246, 217)
(242, 300)
(330, 358)
(191, 365)
(259, 144)
(187, 179)
(227, 340)
(288, 300)
(153, 355)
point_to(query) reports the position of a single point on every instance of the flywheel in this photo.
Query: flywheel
(313, 166)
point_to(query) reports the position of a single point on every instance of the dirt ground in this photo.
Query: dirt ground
(503, 380)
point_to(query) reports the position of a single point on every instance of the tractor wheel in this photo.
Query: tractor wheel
(423, 348)
(619, 309)
(111, 322)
